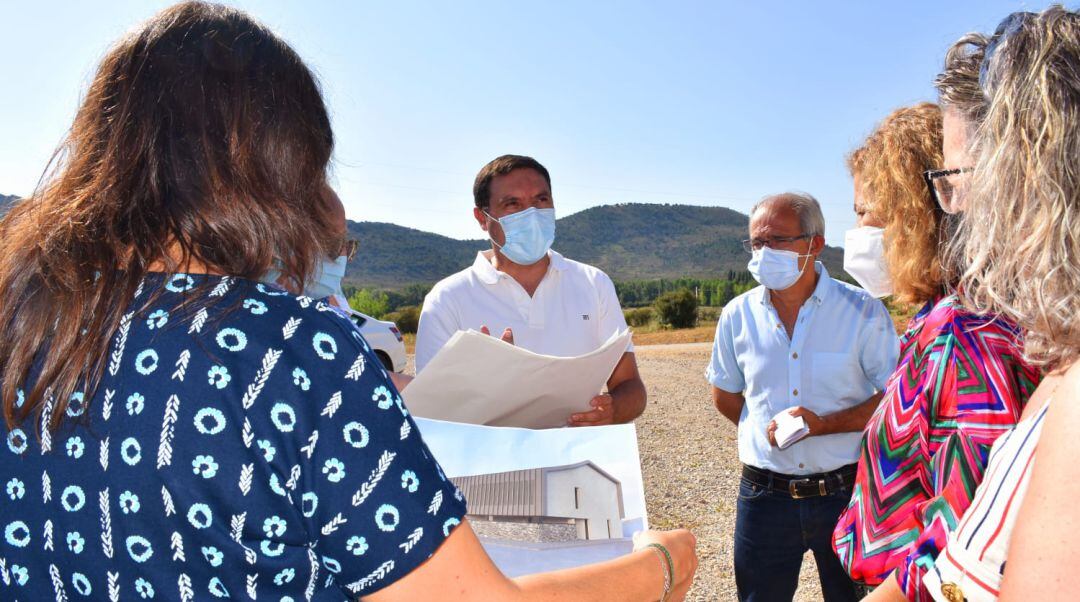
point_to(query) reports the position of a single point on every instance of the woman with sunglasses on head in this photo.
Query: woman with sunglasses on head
(959, 383)
(1019, 240)
(176, 429)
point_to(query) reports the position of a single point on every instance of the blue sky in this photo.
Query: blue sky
(703, 103)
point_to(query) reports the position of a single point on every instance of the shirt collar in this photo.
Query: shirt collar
(487, 273)
(824, 283)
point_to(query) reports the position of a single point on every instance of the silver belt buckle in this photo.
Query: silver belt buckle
(794, 491)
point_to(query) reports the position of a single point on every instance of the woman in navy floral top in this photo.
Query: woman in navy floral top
(176, 430)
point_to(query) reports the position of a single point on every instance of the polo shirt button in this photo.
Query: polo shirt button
(795, 392)
(795, 355)
(801, 465)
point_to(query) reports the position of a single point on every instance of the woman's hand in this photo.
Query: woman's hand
(682, 545)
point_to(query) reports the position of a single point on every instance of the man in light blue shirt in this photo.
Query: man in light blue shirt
(816, 348)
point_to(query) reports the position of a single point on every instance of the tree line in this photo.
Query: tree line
(710, 292)
(402, 306)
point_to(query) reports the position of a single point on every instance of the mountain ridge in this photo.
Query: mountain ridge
(6, 200)
(630, 241)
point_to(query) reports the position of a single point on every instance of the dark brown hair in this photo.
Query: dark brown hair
(500, 167)
(202, 138)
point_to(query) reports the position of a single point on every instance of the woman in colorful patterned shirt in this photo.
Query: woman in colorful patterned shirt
(960, 382)
(1018, 239)
(176, 430)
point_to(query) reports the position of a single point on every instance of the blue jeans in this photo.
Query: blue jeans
(774, 531)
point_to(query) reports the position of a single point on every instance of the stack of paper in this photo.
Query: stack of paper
(479, 379)
(789, 429)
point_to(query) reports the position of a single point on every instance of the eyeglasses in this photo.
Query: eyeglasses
(943, 186)
(349, 247)
(753, 244)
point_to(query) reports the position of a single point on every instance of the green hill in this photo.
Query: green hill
(628, 241)
(6, 200)
(633, 241)
(393, 256)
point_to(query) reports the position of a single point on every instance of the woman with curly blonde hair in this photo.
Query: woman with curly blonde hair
(1019, 241)
(960, 382)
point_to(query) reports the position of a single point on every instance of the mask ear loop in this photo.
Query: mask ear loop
(496, 220)
(807, 254)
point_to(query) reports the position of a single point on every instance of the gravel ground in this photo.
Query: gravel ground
(690, 464)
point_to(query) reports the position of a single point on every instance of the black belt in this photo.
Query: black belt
(800, 486)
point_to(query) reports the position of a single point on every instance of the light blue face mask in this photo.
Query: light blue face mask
(528, 233)
(325, 282)
(327, 279)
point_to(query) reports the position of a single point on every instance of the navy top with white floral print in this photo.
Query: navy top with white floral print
(243, 444)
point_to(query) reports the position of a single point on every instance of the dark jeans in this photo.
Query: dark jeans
(773, 531)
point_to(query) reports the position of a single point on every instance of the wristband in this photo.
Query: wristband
(666, 564)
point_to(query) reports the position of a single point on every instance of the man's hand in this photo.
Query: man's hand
(603, 414)
(814, 422)
(507, 335)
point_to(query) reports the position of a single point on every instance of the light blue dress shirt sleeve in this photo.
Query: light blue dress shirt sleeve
(879, 350)
(724, 371)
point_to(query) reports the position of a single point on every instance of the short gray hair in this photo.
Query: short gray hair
(811, 221)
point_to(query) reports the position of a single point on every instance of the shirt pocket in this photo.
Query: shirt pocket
(832, 379)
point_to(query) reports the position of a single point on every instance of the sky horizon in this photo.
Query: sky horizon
(682, 103)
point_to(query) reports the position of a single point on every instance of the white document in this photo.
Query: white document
(480, 379)
(789, 429)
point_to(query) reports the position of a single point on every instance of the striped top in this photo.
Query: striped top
(973, 561)
(960, 384)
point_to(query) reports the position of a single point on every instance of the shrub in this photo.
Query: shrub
(708, 315)
(373, 303)
(638, 316)
(677, 309)
(406, 318)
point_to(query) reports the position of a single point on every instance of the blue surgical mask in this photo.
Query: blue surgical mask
(528, 233)
(325, 281)
(776, 269)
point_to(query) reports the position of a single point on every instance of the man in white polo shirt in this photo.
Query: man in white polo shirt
(816, 348)
(536, 298)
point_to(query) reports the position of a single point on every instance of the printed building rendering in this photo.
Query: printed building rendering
(556, 503)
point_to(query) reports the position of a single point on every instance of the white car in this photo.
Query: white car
(384, 337)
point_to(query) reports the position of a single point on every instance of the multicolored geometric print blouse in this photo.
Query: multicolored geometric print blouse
(960, 383)
(247, 446)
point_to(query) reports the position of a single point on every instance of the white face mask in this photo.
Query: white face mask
(776, 269)
(864, 259)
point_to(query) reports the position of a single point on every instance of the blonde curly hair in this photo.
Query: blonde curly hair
(1019, 236)
(889, 166)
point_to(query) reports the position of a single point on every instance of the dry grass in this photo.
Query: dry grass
(901, 314)
(702, 333)
(642, 336)
(697, 334)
